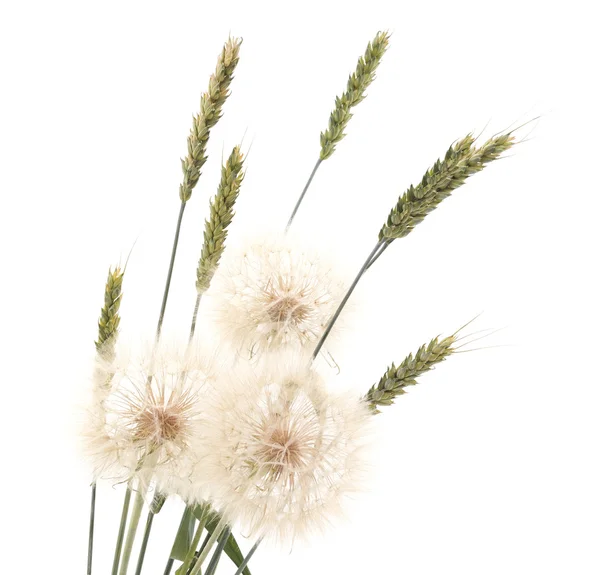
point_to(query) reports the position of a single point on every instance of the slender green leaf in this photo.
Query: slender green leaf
(232, 549)
(184, 536)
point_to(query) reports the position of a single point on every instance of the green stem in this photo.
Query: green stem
(194, 545)
(212, 566)
(124, 513)
(144, 546)
(91, 533)
(163, 306)
(215, 534)
(385, 246)
(134, 522)
(312, 175)
(337, 313)
(246, 560)
(161, 317)
(169, 566)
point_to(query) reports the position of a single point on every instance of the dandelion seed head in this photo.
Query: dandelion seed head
(274, 294)
(281, 452)
(145, 423)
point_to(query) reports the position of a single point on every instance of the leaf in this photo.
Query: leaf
(232, 549)
(184, 536)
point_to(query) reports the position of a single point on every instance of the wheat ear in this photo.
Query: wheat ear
(108, 323)
(221, 215)
(462, 160)
(394, 381)
(211, 110)
(215, 228)
(358, 82)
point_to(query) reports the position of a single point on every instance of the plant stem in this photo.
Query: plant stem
(91, 534)
(194, 545)
(161, 317)
(385, 246)
(169, 566)
(142, 554)
(246, 560)
(170, 272)
(170, 562)
(195, 317)
(312, 175)
(345, 299)
(139, 503)
(212, 566)
(124, 513)
(157, 502)
(215, 534)
(134, 522)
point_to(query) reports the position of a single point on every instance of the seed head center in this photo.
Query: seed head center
(282, 449)
(158, 423)
(286, 308)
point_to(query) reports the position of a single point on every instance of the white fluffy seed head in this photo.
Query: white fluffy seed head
(274, 294)
(145, 423)
(280, 451)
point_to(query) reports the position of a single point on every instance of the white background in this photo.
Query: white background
(490, 465)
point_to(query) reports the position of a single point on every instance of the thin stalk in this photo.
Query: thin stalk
(385, 246)
(121, 535)
(212, 566)
(157, 502)
(337, 313)
(209, 545)
(161, 317)
(195, 317)
(312, 175)
(142, 554)
(136, 513)
(204, 543)
(163, 306)
(194, 545)
(170, 562)
(246, 560)
(91, 534)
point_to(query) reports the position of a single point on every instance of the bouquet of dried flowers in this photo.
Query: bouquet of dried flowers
(253, 438)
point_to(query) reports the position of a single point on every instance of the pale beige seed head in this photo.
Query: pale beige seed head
(147, 422)
(274, 294)
(281, 452)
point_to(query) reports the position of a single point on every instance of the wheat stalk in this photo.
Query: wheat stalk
(356, 87)
(211, 109)
(461, 161)
(221, 215)
(108, 329)
(395, 379)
